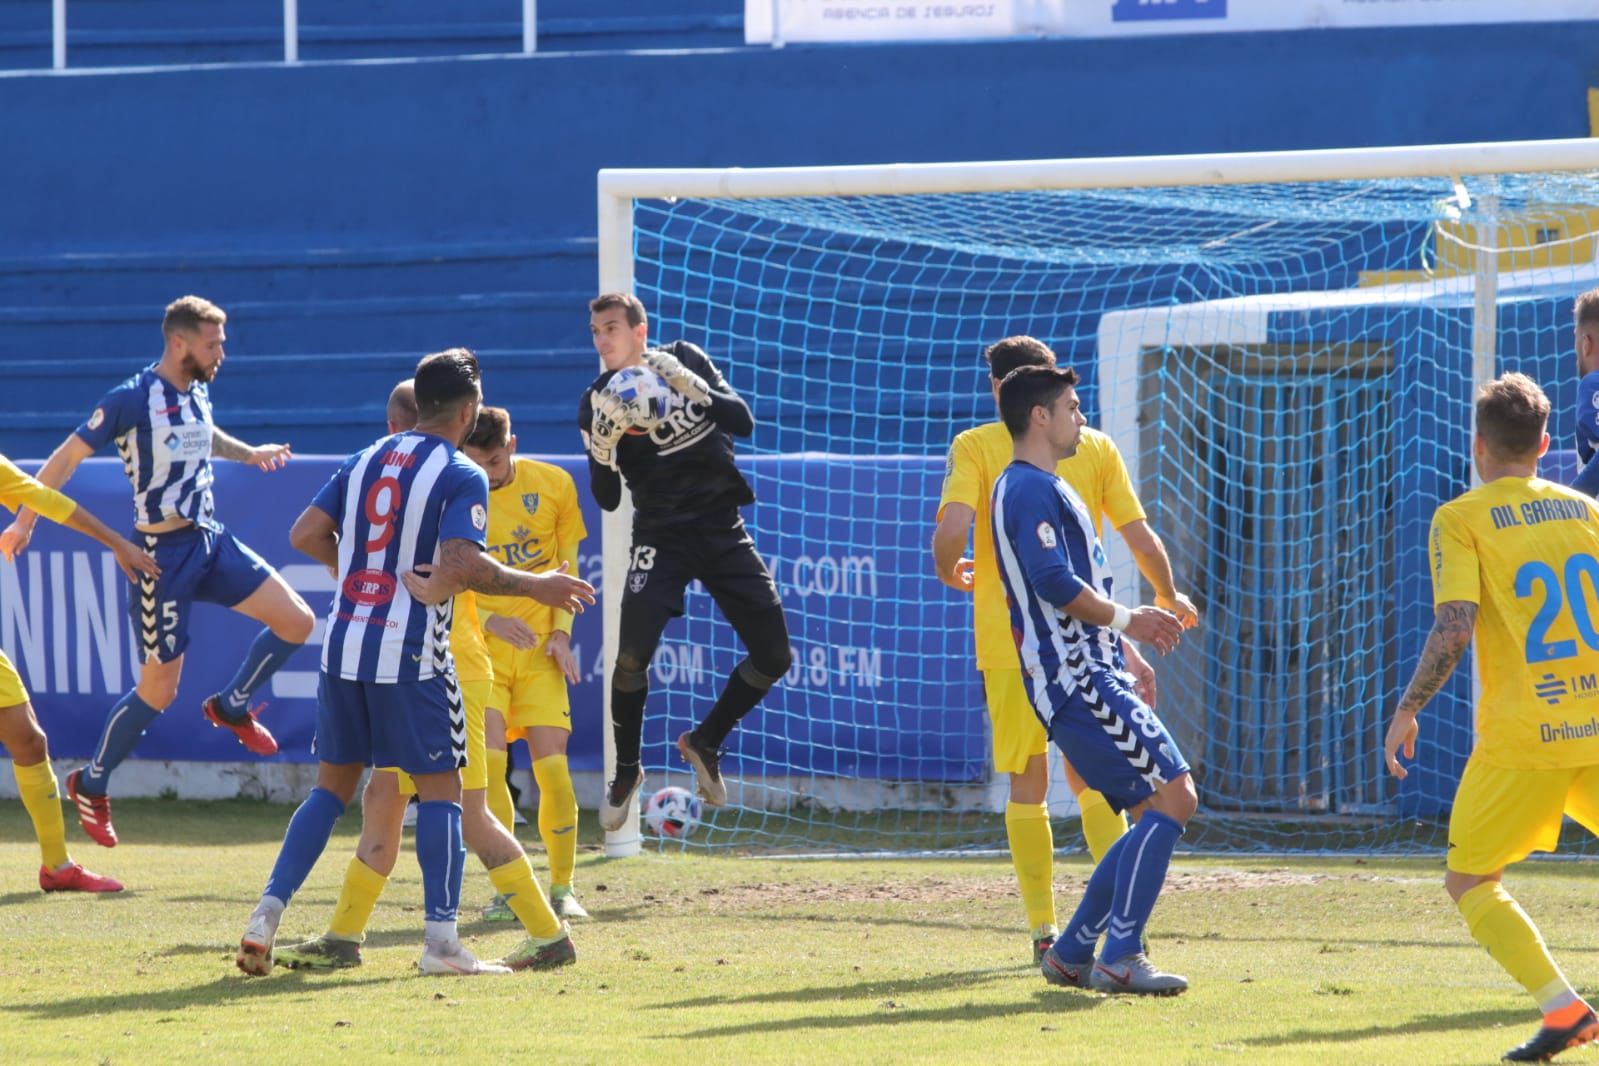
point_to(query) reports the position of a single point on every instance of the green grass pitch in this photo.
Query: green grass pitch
(697, 959)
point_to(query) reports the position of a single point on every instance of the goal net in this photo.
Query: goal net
(1283, 347)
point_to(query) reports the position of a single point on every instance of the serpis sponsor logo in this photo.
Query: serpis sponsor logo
(1145, 10)
(369, 587)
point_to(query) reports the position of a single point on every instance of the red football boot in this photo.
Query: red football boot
(75, 878)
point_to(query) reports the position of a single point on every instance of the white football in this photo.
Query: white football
(645, 396)
(672, 812)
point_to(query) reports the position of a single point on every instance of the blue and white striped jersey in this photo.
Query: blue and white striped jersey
(164, 438)
(1048, 553)
(394, 504)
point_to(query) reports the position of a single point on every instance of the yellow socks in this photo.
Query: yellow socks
(362, 887)
(37, 786)
(526, 899)
(499, 792)
(1102, 826)
(1032, 851)
(557, 816)
(1498, 923)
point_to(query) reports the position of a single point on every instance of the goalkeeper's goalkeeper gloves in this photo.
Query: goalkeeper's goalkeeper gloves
(680, 377)
(606, 427)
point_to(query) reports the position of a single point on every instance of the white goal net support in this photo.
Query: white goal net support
(1284, 348)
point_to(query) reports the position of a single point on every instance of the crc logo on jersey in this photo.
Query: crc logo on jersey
(480, 517)
(369, 587)
(1046, 536)
(97, 419)
(684, 424)
(530, 503)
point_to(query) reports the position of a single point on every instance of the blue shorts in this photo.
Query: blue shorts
(417, 726)
(1114, 741)
(205, 564)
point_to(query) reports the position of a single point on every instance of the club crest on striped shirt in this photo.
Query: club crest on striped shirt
(1046, 536)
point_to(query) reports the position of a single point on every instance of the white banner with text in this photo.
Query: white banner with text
(920, 20)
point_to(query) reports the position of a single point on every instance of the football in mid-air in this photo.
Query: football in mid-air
(672, 812)
(646, 397)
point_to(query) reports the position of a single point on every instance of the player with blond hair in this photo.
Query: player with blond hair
(1515, 563)
(160, 420)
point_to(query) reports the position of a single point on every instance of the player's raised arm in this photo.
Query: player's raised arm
(265, 457)
(602, 422)
(465, 565)
(696, 377)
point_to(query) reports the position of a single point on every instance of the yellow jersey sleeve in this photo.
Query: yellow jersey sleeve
(18, 490)
(1118, 501)
(1452, 551)
(963, 477)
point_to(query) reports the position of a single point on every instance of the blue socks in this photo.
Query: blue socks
(1121, 892)
(1076, 943)
(129, 718)
(266, 654)
(303, 842)
(1140, 873)
(441, 852)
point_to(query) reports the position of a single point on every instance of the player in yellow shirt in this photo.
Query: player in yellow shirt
(20, 733)
(535, 524)
(976, 459)
(1515, 564)
(548, 944)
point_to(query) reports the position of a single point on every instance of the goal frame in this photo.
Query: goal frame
(618, 188)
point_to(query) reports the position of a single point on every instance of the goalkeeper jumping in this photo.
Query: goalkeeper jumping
(686, 526)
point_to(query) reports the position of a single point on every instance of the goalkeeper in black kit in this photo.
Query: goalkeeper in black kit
(686, 526)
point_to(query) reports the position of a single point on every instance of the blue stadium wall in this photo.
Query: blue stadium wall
(352, 215)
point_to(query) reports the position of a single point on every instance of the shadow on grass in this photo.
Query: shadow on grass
(1045, 1001)
(102, 899)
(864, 990)
(1526, 1017)
(220, 990)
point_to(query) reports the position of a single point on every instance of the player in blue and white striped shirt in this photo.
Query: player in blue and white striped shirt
(388, 693)
(1068, 632)
(160, 420)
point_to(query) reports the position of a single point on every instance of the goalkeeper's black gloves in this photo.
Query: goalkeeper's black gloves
(680, 377)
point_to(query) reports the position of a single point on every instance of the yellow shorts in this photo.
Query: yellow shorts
(1501, 816)
(1018, 734)
(475, 774)
(529, 689)
(12, 692)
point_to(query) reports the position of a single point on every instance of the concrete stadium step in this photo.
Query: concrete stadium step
(95, 278)
(417, 324)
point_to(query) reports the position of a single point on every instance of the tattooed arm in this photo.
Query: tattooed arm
(268, 457)
(1452, 627)
(464, 565)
